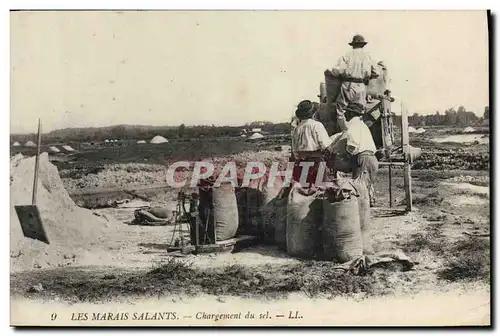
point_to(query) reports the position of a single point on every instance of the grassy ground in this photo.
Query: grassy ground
(433, 236)
(175, 277)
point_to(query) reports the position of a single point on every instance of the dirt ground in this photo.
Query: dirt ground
(446, 235)
(445, 213)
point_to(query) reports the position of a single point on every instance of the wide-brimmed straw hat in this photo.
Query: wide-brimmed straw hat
(358, 39)
(306, 109)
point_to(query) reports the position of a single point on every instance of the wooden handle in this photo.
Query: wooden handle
(35, 182)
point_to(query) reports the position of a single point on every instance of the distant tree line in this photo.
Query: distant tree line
(459, 118)
(140, 132)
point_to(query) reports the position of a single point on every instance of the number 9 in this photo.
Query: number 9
(53, 316)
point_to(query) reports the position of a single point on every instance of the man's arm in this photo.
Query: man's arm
(324, 141)
(341, 65)
(339, 69)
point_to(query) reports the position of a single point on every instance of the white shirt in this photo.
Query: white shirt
(359, 137)
(309, 136)
(357, 63)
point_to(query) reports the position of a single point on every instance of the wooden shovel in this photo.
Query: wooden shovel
(29, 215)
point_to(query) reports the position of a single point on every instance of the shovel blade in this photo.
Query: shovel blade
(31, 222)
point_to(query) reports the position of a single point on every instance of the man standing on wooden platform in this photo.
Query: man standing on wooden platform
(355, 69)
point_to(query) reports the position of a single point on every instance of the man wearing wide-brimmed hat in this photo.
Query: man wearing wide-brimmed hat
(355, 69)
(310, 140)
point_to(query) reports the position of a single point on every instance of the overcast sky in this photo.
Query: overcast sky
(75, 69)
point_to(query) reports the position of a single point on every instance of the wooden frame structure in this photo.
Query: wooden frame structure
(400, 161)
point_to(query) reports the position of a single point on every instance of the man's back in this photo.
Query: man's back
(357, 63)
(359, 137)
(309, 136)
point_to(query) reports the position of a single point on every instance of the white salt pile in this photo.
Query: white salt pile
(72, 231)
(256, 136)
(68, 148)
(30, 144)
(469, 187)
(158, 140)
(463, 138)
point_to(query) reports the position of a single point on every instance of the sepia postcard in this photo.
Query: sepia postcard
(250, 168)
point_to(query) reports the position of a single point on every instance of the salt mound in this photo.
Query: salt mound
(14, 159)
(469, 187)
(16, 144)
(411, 129)
(54, 149)
(469, 130)
(420, 130)
(30, 144)
(158, 140)
(256, 136)
(464, 138)
(72, 231)
(68, 148)
(141, 142)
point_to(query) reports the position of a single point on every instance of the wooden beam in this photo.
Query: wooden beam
(37, 162)
(407, 179)
(396, 209)
(391, 164)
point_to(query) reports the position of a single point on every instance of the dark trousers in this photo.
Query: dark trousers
(351, 101)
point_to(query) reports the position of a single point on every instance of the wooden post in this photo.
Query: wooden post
(407, 173)
(247, 213)
(197, 234)
(386, 126)
(37, 162)
(390, 186)
(194, 215)
(405, 143)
